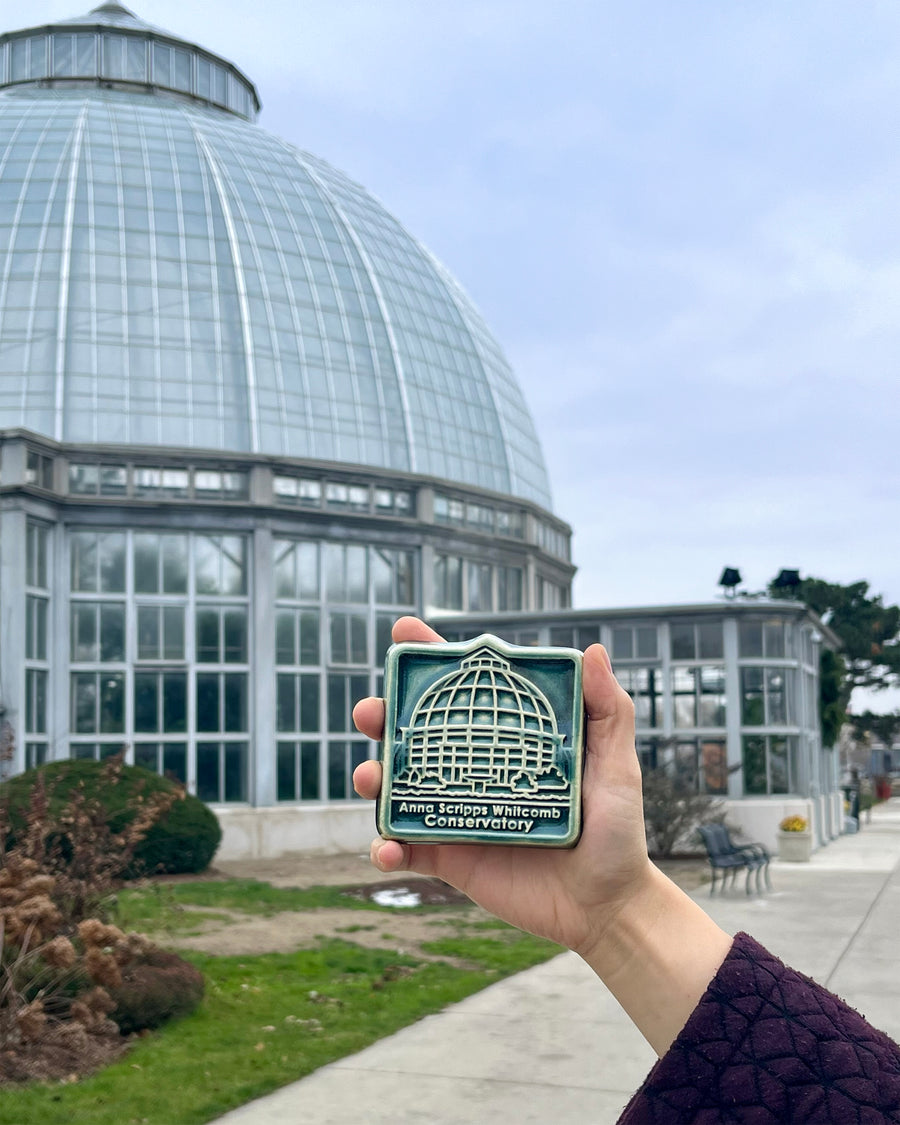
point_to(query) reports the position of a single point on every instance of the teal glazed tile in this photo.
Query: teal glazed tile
(482, 744)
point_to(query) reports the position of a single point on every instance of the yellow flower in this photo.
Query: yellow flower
(794, 824)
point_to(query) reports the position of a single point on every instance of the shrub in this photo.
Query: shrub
(158, 986)
(673, 808)
(183, 839)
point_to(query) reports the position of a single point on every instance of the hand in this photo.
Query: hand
(568, 895)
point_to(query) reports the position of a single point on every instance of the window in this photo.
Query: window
(297, 636)
(97, 702)
(98, 562)
(169, 484)
(222, 701)
(699, 696)
(343, 692)
(166, 758)
(392, 577)
(634, 642)
(448, 582)
(298, 771)
(766, 696)
(98, 480)
(291, 490)
(36, 627)
(696, 640)
(393, 502)
(343, 758)
(644, 685)
(550, 595)
(509, 588)
(39, 469)
(759, 638)
(160, 702)
(349, 638)
(36, 701)
(479, 587)
(221, 634)
(346, 573)
(768, 763)
(97, 632)
(216, 484)
(220, 563)
(297, 702)
(160, 632)
(296, 570)
(701, 764)
(36, 553)
(222, 771)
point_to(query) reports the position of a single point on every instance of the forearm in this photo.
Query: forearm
(657, 955)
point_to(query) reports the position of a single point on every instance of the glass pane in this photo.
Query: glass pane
(773, 638)
(337, 628)
(309, 703)
(356, 574)
(84, 562)
(588, 635)
(148, 632)
(146, 564)
(285, 703)
(83, 630)
(112, 563)
(775, 693)
(337, 703)
(207, 701)
(714, 767)
(285, 646)
(208, 636)
(778, 765)
(146, 703)
(682, 641)
(309, 637)
(285, 570)
(709, 636)
(112, 633)
(235, 771)
(750, 638)
(146, 756)
(112, 702)
(233, 550)
(236, 701)
(175, 761)
(174, 564)
(208, 771)
(622, 644)
(235, 632)
(754, 757)
(173, 632)
(646, 642)
(175, 702)
(309, 771)
(286, 771)
(337, 771)
(113, 480)
(383, 576)
(752, 697)
(83, 480)
(84, 702)
(383, 625)
(206, 565)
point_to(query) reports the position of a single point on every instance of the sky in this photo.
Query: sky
(679, 220)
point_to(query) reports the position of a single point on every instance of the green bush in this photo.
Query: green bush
(183, 841)
(159, 986)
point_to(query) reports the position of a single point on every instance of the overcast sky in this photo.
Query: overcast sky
(679, 219)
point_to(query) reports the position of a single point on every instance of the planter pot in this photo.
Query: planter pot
(795, 847)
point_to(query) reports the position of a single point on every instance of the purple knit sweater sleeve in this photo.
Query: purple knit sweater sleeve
(767, 1044)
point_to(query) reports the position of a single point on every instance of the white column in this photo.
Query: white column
(262, 672)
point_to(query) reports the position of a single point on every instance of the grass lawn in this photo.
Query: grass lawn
(270, 1019)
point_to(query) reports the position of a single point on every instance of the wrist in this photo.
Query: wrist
(657, 955)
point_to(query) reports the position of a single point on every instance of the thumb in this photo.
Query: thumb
(611, 758)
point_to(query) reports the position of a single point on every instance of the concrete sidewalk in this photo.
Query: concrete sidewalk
(551, 1044)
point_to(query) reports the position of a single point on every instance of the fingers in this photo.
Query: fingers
(412, 629)
(368, 715)
(367, 780)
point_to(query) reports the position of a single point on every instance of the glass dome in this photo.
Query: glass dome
(172, 275)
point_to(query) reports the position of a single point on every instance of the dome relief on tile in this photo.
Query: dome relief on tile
(171, 274)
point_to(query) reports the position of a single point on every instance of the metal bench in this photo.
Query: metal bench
(726, 856)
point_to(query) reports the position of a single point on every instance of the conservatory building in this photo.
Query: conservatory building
(247, 420)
